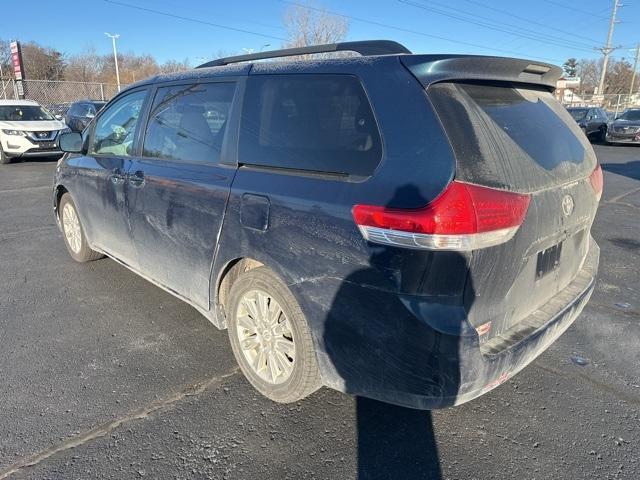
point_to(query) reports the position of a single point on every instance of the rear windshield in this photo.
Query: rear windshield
(508, 137)
(22, 113)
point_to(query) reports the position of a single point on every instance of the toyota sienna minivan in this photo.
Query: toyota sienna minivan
(409, 228)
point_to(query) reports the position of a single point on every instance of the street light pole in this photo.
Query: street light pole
(115, 55)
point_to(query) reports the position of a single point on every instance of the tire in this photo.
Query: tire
(288, 339)
(73, 233)
(602, 135)
(3, 158)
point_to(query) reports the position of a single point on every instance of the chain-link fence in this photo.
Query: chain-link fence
(56, 95)
(612, 103)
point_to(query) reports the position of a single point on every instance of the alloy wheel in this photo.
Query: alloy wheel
(71, 228)
(265, 337)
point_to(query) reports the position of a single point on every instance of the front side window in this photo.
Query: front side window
(321, 123)
(187, 122)
(115, 129)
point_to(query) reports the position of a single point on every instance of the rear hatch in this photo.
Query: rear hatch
(514, 136)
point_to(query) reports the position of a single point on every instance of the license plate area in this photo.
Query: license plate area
(548, 260)
(47, 145)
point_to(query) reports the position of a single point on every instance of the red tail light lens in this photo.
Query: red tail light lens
(597, 182)
(463, 217)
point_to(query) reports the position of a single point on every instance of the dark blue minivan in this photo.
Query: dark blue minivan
(410, 228)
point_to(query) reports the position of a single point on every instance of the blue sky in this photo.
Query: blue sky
(568, 27)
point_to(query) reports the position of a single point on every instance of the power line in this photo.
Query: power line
(573, 9)
(534, 22)
(414, 32)
(195, 20)
(513, 30)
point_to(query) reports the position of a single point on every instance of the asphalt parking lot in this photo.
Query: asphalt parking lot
(104, 375)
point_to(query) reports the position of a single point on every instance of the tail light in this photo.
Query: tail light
(597, 182)
(463, 217)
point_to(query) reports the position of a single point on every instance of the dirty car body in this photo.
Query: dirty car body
(436, 246)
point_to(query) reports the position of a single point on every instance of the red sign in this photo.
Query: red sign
(16, 60)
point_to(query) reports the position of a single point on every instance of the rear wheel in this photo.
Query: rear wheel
(73, 233)
(270, 337)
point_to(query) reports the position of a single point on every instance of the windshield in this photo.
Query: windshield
(630, 115)
(23, 113)
(578, 113)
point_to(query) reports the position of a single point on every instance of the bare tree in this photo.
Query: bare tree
(619, 74)
(85, 66)
(5, 59)
(42, 63)
(310, 25)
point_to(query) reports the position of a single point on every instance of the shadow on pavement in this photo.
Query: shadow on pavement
(395, 442)
(629, 169)
(381, 349)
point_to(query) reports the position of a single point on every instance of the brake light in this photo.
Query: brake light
(597, 182)
(463, 217)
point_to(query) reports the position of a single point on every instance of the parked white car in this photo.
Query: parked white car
(28, 130)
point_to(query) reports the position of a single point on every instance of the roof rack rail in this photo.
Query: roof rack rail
(364, 48)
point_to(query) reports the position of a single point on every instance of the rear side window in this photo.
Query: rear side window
(321, 123)
(187, 122)
(507, 137)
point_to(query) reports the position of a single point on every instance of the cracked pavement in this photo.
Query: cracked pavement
(106, 376)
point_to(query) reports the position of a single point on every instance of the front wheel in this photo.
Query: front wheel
(73, 233)
(270, 338)
(602, 135)
(3, 158)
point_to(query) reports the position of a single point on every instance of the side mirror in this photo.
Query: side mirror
(71, 142)
(58, 117)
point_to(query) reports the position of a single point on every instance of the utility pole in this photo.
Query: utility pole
(607, 49)
(115, 55)
(633, 75)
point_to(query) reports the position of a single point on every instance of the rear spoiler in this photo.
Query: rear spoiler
(430, 69)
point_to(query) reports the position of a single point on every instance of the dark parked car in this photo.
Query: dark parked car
(625, 128)
(411, 228)
(593, 121)
(58, 109)
(79, 114)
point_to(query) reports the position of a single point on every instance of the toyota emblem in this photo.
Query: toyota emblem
(567, 205)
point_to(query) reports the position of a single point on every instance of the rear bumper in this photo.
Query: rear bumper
(424, 354)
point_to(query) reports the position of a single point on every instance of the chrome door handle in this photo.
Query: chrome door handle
(137, 178)
(117, 176)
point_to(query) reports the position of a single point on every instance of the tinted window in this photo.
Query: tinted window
(509, 137)
(74, 109)
(187, 122)
(23, 113)
(578, 113)
(321, 123)
(115, 129)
